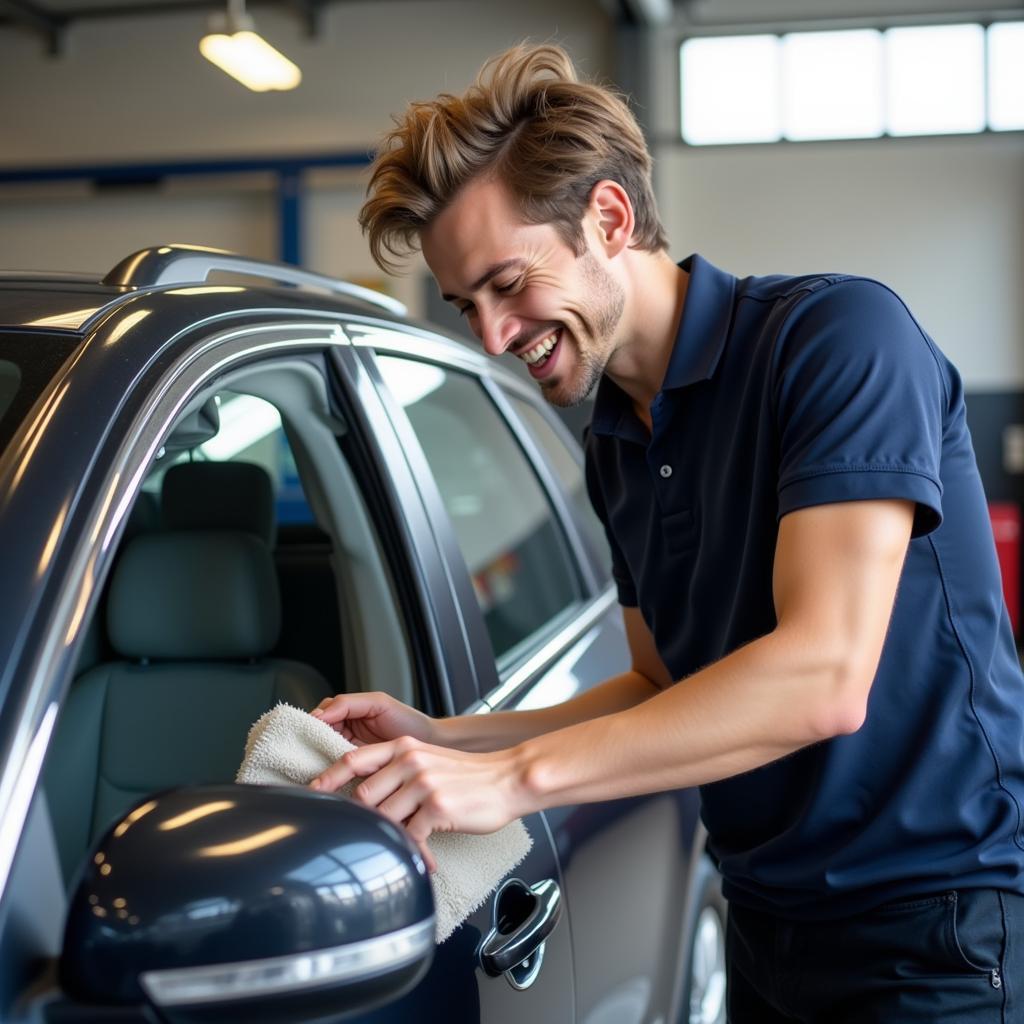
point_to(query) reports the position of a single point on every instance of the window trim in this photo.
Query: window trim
(543, 641)
(453, 577)
(85, 553)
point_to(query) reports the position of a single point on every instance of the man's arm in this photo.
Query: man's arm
(837, 568)
(836, 572)
(503, 729)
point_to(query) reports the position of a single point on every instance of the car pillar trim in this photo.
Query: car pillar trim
(352, 962)
(18, 765)
(15, 803)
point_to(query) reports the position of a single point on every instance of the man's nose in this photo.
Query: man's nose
(496, 331)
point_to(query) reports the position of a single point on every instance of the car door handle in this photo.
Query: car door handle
(524, 916)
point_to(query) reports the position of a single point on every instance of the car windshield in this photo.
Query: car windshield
(28, 361)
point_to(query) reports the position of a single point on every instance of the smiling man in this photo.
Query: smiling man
(802, 553)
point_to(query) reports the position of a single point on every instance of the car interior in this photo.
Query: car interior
(248, 573)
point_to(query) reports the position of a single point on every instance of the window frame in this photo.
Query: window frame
(537, 652)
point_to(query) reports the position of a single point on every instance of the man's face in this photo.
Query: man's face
(524, 291)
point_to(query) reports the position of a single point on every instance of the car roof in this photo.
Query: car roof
(60, 302)
(74, 301)
(181, 285)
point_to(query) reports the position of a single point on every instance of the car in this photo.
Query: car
(226, 483)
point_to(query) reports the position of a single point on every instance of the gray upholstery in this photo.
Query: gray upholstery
(144, 516)
(192, 614)
(142, 519)
(218, 495)
(127, 730)
(198, 594)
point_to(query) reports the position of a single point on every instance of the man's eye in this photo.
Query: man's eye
(507, 287)
(465, 310)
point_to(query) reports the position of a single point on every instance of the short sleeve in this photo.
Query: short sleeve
(624, 583)
(860, 400)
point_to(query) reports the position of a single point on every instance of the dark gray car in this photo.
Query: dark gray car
(218, 495)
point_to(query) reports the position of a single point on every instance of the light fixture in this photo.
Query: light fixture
(236, 48)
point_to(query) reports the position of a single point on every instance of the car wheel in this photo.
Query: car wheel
(704, 1001)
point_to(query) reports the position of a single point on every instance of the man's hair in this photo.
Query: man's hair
(531, 123)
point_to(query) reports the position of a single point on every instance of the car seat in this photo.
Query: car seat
(191, 616)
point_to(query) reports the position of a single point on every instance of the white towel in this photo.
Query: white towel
(288, 746)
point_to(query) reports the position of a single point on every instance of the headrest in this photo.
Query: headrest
(219, 496)
(194, 594)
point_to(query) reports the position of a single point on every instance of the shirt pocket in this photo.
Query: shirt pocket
(679, 531)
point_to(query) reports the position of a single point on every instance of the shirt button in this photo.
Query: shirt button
(666, 471)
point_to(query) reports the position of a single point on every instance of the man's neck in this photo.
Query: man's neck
(655, 308)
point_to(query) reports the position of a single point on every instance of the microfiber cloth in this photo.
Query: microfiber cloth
(290, 747)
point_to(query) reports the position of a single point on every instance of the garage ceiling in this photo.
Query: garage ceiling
(50, 18)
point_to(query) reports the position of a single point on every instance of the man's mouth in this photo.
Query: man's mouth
(541, 353)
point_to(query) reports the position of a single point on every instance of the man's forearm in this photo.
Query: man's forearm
(501, 729)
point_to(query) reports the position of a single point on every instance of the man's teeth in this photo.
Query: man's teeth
(539, 351)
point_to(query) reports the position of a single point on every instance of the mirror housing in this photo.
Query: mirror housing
(249, 902)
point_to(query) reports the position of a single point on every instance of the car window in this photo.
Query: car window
(516, 554)
(28, 363)
(207, 621)
(250, 431)
(10, 378)
(569, 470)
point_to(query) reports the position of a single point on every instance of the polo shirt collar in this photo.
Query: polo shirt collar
(703, 329)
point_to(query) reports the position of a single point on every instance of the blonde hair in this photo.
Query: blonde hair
(529, 121)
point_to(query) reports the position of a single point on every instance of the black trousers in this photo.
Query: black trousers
(954, 957)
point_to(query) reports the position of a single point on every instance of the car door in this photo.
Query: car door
(458, 988)
(541, 597)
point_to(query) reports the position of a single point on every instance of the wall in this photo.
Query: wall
(132, 90)
(941, 220)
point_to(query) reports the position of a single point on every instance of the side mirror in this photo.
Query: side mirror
(221, 903)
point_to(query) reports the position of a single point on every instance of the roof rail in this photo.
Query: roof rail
(193, 264)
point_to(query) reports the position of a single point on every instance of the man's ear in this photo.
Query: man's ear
(611, 215)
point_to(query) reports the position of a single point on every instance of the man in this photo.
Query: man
(802, 552)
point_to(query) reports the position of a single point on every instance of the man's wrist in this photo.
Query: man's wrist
(449, 732)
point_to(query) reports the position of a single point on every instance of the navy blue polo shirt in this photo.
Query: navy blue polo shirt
(782, 393)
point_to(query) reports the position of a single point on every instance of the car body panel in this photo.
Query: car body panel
(628, 973)
(67, 482)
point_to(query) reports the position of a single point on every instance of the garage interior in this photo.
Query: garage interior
(119, 135)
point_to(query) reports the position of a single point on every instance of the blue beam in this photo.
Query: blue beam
(289, 171)
(127, 173)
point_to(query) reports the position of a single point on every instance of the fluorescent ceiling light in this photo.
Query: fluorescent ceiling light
(236, 48)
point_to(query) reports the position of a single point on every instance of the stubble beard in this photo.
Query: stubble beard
(599, 316)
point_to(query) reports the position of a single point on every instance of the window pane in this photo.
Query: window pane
(730, 89)
(1006, 76)
(10, 380)
(832, 85)
(514, 549)
(569, 471)
(250, 430)
(935, 79)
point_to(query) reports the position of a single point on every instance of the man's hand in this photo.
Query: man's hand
(364, 718)
(432, 789)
